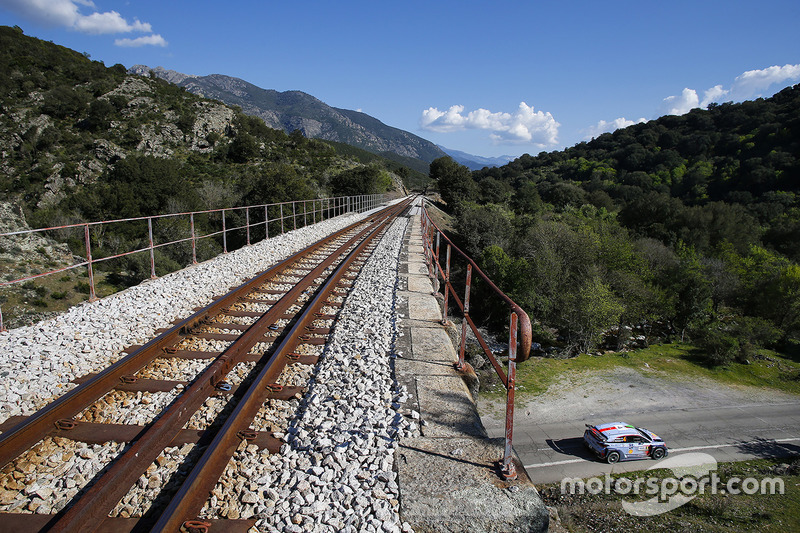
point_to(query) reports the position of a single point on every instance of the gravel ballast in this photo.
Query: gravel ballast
(38, 362)
(336, 469)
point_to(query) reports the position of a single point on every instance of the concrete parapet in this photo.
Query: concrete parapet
(449, 477)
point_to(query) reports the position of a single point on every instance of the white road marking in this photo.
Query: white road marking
(671, 450)
(706, 447)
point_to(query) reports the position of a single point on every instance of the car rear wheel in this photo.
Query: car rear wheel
(658, 453)
(612, 457)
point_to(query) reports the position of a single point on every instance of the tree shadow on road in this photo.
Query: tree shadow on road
(768, 448)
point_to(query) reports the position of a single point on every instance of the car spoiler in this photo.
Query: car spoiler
(596, 433)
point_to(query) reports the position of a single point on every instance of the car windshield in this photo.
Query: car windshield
(644, 434)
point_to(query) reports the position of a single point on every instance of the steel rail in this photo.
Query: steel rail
(88, 513)
(34, 428)
(196, 488)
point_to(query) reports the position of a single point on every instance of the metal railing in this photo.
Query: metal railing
(280, 215)
(520, 333)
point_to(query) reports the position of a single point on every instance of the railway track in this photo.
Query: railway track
(161, 434)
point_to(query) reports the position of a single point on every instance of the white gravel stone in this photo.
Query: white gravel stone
(335, 470)
(340, 448)
(38, 362)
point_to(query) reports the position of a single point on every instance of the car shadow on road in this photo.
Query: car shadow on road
(572, 446)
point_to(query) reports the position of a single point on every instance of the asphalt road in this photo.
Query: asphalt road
(551, 452)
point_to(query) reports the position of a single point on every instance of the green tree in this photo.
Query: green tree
(360, 180)
(243, 148)
(592, 310)
(481, 226)
(691, 290)
(454, 181)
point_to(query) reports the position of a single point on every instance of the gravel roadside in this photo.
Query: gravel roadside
(606, 394)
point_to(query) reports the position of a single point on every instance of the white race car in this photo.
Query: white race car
(619, 441)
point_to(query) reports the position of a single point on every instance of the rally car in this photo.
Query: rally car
(619, 441)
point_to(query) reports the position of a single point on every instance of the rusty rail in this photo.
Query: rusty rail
(520, 333)
(22, 436)
(90, 512)
(312, 211)
(194, 491)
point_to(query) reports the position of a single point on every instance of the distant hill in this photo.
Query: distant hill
(476, 162)
(296, 110)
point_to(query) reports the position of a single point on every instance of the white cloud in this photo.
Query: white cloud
(146, 40)
(603, 126)
(714, 94)
(108, 22)
(748, 85)
(45, 12)
(66, 13)
(678, 105)
(443, 121)
(753, 82)
(524, 126)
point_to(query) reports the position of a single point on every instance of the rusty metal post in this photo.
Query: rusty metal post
(446, 286)
(461, 365)
(438, 238)
(2, 327)
(92, 293)
(294, 215)
(509, 470)
(247, 223)
(313, 211)
(224, 235)
(281, 219)
(266, 221)
(152, 255)
(194, 239)
(427, 247)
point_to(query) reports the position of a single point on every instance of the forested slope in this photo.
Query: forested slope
(685, 225)
(83, 142)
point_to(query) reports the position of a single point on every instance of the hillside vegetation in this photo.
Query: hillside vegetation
(685, 227)
(80, 141)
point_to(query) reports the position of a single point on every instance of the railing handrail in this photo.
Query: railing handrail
(183, 213)
(518, 321)
(526, 331)
(333, 206)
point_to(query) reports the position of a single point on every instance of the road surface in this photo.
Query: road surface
(552, 451)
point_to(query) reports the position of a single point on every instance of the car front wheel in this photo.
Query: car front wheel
(658, 453)
(612, 457)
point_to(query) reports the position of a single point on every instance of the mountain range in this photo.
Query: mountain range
(296, 110)
(476, 162)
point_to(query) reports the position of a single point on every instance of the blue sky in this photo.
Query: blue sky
(487, 78)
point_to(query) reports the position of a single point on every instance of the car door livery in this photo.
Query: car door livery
(642, 446)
